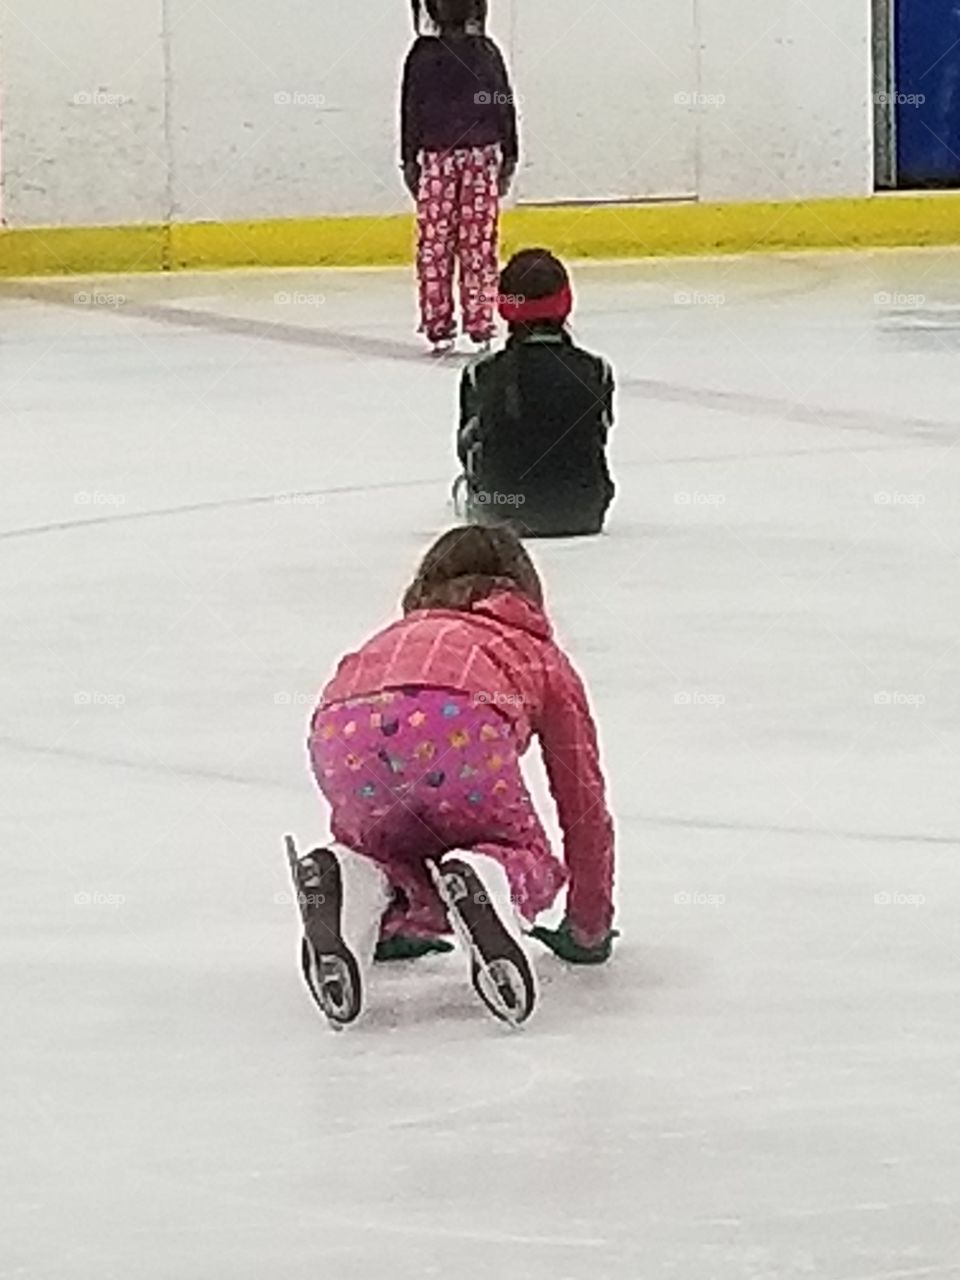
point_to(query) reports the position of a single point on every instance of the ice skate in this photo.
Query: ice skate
(342, 898)
(440, 347)
(475, 890)
(459, 496)
(482, 343)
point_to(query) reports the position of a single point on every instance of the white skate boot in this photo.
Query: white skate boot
(342, 897)
(476, 892)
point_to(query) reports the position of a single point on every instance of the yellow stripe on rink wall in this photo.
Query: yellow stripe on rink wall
(659, 230)
(577, 231)
(360, 241)
(52, 251)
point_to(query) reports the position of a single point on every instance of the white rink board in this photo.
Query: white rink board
(227, 110)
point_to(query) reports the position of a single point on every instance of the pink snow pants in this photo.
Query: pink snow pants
(412, 773)
(458, 213)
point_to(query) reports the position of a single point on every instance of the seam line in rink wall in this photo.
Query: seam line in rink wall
(574, 231)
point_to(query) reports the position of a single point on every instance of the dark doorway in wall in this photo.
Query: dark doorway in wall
(917, 109)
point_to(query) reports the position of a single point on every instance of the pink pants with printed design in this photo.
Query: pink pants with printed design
(458, 212)
(411, 774)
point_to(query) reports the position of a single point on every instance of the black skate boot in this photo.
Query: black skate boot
(443, 345)
(483, 341)
(342, 897)
(475, 890)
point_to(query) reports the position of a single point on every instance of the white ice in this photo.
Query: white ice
(215, 484)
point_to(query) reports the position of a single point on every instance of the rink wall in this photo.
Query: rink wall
(163, 134)
(170, 111)
(601, 231)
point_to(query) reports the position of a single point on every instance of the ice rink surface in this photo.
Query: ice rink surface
(212, 486)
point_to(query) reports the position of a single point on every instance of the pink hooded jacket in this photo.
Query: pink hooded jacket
(501, 651)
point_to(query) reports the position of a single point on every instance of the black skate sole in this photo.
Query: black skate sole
(499, 968)
(329, 967)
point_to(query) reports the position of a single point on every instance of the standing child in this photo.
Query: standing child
(535, 417)
(416, 744)
(459, 153)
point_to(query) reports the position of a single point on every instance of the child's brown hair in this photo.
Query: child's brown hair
(469, 563)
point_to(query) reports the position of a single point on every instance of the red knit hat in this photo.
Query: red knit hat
(519, 309)
(535, 287)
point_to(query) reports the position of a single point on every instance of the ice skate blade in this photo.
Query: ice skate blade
(292, 855)
(458, 496)
(329, 968)
(498, 981)
(496, 985)
(332, 984)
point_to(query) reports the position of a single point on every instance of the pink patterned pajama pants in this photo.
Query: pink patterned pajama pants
(458, 213)
(412, 773)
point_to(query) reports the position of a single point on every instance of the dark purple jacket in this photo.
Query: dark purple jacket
(456, 93)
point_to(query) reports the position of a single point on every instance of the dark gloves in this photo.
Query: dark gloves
(411, 176)
(400, 947)
(507, 170)
(563, 943)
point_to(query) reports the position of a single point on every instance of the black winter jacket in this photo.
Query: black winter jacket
(456, 93)
(534, 422)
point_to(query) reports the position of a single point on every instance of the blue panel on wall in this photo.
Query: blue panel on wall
(927, 82)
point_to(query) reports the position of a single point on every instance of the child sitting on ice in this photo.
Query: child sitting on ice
(535, 417)
(416, 745)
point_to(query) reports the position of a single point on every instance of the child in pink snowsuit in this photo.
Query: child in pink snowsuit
(458, 152)
(417, 739)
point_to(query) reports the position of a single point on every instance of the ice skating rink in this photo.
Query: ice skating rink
(212, 486)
